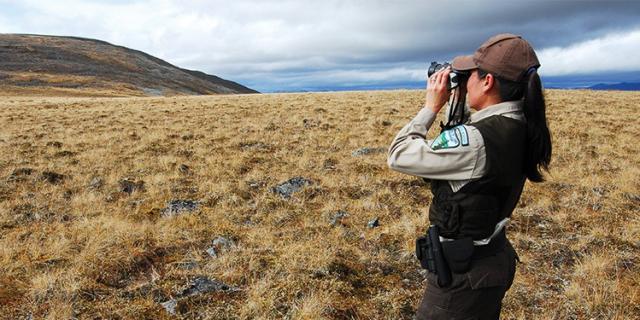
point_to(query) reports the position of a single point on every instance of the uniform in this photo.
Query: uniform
(465, 164)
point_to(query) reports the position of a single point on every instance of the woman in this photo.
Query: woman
(477, 172)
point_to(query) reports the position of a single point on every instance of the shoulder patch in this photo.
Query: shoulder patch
(451, 138)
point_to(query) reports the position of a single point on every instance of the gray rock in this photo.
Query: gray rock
(176, 207)
(184, 168)
(55, 144)
(373, 223)
(20, 174)
(128, 186)
(212, 252)
(52, 177)
(170, 306)
(367, 151)
(219, 245)
(338, 216)
(287, 188)
(255, 145)
(199, 285)
(203, 284)
(96, 183)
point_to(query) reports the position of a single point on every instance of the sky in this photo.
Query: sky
(303, 45)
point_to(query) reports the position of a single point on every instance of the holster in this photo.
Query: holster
(429, 252)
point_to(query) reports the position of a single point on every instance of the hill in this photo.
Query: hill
(36, 64)
(623, 86)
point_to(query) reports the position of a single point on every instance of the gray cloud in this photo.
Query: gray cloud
(296, 44)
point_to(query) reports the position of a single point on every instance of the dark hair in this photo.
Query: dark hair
(538, 154)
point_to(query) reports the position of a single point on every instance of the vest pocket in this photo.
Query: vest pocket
(458, 254)
(446, 215)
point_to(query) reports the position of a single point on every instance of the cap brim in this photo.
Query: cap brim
(464, 63)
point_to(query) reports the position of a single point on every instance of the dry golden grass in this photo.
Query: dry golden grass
(83, 249)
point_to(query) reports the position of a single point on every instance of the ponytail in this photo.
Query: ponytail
(538, 154)
(538, 148)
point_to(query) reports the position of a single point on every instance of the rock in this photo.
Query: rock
(199, 285)
(184, 168)
(212, 252)
(386, 123)
(170, 306)
(220, 244)
(338, 216)
(96, 183)
(203, 284)
(367, 151)
(373, 223)
(20, 174)
(55, 144)
(128, 186)
(310, 123)
(64, 153)
(329, 164)
(255, 145)
(52, 177)
(175, 207)
(599, 191)
(187, 265)
(287, 188)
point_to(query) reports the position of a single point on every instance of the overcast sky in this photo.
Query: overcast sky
(292, 45)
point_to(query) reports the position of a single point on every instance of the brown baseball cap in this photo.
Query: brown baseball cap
(505, 55)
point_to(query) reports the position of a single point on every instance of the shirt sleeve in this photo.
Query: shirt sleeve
(456, 154)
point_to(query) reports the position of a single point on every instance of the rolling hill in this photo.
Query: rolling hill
(55, 65)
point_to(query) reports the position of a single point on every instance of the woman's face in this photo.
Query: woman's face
(474, 90)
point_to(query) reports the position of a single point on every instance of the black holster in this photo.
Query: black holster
(429, 252)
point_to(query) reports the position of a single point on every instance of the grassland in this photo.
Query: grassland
(85, 231)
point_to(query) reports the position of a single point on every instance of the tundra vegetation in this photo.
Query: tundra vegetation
(281, 206)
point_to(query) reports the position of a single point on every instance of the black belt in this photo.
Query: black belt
(496, 245)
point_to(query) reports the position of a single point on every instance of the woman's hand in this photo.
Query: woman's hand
(437, 93)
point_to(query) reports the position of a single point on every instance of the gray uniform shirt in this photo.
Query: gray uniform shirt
(457, 155)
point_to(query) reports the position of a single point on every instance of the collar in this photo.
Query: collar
(502, 108)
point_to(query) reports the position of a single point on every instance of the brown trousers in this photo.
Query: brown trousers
(476, 294)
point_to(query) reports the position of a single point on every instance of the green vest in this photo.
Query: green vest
(474, 210)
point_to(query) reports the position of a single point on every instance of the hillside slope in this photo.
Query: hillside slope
(32, 64)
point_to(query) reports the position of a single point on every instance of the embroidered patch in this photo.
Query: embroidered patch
(451, 138)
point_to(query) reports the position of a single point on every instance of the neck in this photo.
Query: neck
(490, 101)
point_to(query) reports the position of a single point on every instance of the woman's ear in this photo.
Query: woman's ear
(488, 83)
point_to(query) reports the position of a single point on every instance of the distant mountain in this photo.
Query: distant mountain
(624, 86)
(76, 66)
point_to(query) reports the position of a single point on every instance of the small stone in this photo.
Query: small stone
(128, 186)
(386, 123)
(337, 217)
(212, 252)
(96, 183)
(310, 123)
(55, 144)
(175, 207)
(187, 265)
(373, 223)
(170, 306)
(220, 244)
(52, 177)
(255, 146)
(287, 188)
(329, 164)
(20, 174)
(184, 168)
(203, 284)
(367, 151)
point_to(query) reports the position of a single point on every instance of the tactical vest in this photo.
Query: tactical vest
(474, 210)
